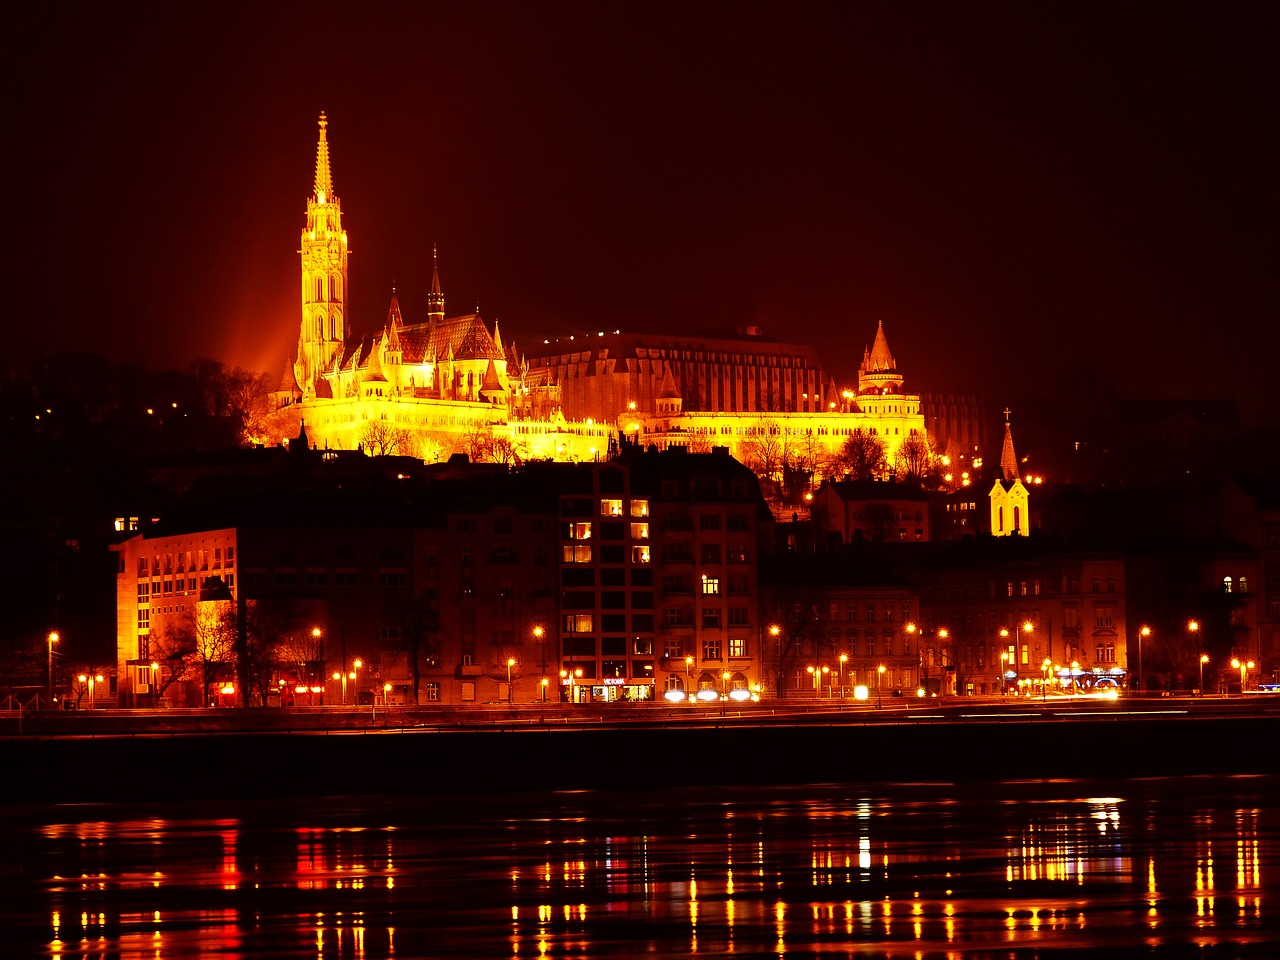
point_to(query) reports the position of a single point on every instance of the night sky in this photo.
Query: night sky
(1033, 202)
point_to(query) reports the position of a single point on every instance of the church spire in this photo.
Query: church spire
(435, 299)
(323, 190)
(1008, 459)
(324, 326)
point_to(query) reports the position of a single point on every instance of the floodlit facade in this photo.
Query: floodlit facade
(433, 387)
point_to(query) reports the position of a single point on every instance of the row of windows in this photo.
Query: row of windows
(185, 561)
(583, 553)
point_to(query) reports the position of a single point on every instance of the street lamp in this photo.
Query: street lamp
(386, 694)
(910, 630)
(844, 658)
(511, 662)
(355, 679)
(1244, 667)
(53, 639)
(1142, 635)
(97, 678)
(879, 677)
(943, 634)
(155, 694)
(571, 675)
(1004, 665)
(1204, 658)
(1044, 684)
(539, 634)
(544, 683)
(724, 689)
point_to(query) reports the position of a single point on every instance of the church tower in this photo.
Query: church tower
(1009, 498)
(435, 299)
(324, 275)
(878, 373)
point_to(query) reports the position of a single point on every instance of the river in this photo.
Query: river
(1172, 867)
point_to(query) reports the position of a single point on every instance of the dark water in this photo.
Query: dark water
(1155, 868)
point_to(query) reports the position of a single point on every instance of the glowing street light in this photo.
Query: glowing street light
(1044, 686)
(844, 658)
(355, 678)
(1004, 667)
(511, 662)
(155, 694)
(1204, 658)
(53, 638)
(90, 680)
(1143, 633)
(879, 678)
(1244, 666)
(386, 694)
(544, 683)
(571, 676)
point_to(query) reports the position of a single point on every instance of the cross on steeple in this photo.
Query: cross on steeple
(1006, 414)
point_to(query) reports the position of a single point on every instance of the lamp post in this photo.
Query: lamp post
(571, 675)
(540, 635)
(90, 680)
(724, 689)
(1244, 666)
(844, 658)
(511, 662)
(1143, 633)
(1204, 658)
(343, 678)
(356, 664)
(1044, 683)
(1004, 667)
(1193, 628)
(155, 694)
(544, 683)
(879, 678)
(53, 638)
(943, 633)
(911, 631)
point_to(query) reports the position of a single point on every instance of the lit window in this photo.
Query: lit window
(639, 531)
(639, 508)
(638, 554)
(610, 508)
(710, 586)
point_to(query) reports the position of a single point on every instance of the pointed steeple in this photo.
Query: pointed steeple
(1008, 459)
(879, 373)
(881, 358)
(395, 322)
(497, 337)
(324, 178)
(435, 299)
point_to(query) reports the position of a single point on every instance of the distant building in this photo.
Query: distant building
(1010, 499)
(471, 584)
(871, 510)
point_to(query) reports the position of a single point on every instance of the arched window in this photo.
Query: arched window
(1017, 519)
(319, 289)
(1243, 584)
(999, 519)
(1226, 584)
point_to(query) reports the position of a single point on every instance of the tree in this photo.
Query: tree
(261, 626)
(916, 463)
(763, 451)
(213, 628)
(862, 456)
(419, 623)
(304, 650)
(382, 438)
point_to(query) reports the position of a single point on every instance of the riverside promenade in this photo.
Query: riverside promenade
(135, 756)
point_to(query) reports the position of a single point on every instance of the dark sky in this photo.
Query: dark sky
(1033, 201)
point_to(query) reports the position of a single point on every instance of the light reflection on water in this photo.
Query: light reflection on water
(1012, 870)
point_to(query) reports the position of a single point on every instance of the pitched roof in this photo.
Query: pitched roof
(880, 358)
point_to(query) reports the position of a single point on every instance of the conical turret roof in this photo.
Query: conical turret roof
(1008, 459)
(880, 358)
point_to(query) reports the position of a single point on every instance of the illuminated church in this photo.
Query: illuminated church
(420, 389)
(450, 384)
